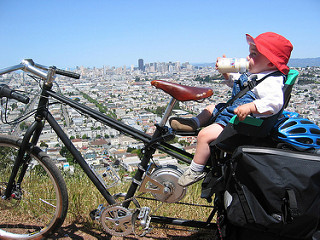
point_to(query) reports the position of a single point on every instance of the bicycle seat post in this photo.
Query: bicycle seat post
(167, 112)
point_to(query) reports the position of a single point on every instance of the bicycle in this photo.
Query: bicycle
(23, 163)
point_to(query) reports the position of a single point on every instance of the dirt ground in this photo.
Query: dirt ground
(80, 232)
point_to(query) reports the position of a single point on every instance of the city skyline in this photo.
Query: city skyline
(116, 33)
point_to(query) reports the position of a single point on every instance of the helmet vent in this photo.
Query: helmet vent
(318, 141)
(315, 131)
(289, 124)
(298, 130)
(306, 122)
(305, 140)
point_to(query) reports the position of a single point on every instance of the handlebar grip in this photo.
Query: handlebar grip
(19, 97)
(5, 91)
(67, 73)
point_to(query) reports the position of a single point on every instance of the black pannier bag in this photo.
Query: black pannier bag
(274, 191)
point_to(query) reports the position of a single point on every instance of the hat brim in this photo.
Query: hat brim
(268, 54)
(250, 40)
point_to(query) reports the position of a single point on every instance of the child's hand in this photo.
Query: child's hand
(225, 75)
(244, 110)
(218, 58)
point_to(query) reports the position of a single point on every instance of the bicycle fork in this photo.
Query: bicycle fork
(22, 161)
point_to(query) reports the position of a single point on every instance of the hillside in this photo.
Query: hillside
(304, 62)
(294, 62)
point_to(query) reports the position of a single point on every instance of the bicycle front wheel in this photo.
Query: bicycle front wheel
(39, 205)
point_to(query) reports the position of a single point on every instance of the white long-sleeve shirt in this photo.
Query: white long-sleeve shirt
(269, 93)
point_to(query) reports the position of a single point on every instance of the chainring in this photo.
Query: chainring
(117, 221)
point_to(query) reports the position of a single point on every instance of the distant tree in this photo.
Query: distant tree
(64, 152)
(43, 144)
(130, 149)
(23, 126)
(14, 106)
(184, 143)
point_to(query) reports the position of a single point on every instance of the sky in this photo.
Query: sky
(96, 33)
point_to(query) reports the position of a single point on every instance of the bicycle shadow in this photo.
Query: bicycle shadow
(177, 234)
(78, 231)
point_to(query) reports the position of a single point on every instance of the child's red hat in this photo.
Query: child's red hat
(274, 47)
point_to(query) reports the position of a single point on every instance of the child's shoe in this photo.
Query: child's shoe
(190, 177)
(183, 124)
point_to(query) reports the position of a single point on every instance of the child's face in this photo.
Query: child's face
(258, 62)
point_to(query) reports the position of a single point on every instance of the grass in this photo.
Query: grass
(84, 197)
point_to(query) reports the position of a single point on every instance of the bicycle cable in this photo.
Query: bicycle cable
(24, 116)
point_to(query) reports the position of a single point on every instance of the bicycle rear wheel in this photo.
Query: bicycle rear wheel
(40, 206)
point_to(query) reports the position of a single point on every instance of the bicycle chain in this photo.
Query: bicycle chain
(120, 204)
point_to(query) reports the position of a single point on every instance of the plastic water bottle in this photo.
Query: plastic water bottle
(232, 65)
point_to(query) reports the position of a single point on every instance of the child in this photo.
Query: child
(269, 52)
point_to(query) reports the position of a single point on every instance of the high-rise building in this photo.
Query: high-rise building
(140, 64)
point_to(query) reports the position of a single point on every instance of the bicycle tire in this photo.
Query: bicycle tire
(42, 208)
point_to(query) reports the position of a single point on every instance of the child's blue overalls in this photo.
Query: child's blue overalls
(225, 116)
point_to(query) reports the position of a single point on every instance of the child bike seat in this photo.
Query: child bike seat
(182, 92)
(251, 130)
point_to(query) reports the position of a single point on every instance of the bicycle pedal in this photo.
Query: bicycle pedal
(92, 214)
(96, 213)
(143, 216)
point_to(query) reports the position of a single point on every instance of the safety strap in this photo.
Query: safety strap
(250, 84)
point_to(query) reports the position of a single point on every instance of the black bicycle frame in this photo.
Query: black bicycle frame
(152, 143)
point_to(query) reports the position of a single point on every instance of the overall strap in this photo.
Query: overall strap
(250, 84)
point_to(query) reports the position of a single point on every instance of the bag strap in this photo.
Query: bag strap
(291, 209)
(251, 83)
(244, 203)
(241, 194)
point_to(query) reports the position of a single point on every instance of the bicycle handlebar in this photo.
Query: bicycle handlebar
(57, 70)
(5, 91)
(28, 65)
(67, 73)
